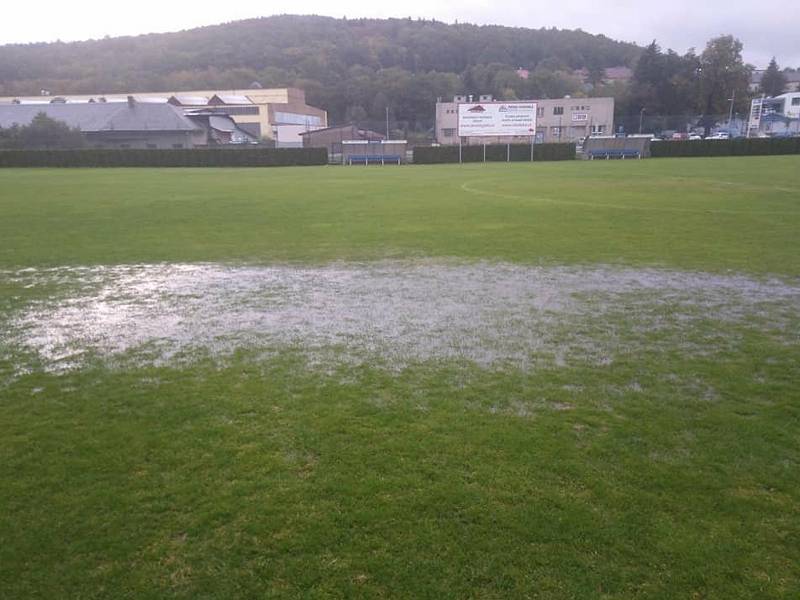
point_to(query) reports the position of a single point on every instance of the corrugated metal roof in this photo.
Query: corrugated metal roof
(98, 117)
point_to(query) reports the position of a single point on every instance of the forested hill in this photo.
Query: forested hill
(353, 68)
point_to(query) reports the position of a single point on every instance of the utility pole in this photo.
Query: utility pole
(732, 100)
(387, 121)
(641, 120)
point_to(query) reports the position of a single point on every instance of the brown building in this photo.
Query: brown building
(332, 137)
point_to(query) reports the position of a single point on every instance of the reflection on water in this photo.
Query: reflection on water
(395, 312)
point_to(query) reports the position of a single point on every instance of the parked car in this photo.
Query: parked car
(720, 135)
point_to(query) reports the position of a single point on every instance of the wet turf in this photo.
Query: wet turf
(710, 215)
(670, 470)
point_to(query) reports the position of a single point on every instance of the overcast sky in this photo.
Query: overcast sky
(766, 29)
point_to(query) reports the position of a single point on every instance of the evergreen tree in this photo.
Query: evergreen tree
(773, 81)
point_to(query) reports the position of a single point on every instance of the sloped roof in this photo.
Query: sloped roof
(183, 100)
(361, 133)
(229, 99)
(222, 123)
(98, 117)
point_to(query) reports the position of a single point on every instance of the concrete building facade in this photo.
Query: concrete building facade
(560, 120)
(280, 115)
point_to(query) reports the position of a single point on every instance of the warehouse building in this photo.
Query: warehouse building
(279, 115)
(561, 120)
(116, 125)
(134, 124)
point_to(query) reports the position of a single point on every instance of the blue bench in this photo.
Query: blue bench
(614, 153)
(373, 159)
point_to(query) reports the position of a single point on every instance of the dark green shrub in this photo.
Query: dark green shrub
(737, 147)
(196, 157)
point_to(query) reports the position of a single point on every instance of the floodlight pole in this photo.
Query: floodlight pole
(730, 114)
(484, 151)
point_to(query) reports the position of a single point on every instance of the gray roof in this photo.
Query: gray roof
(101, 117)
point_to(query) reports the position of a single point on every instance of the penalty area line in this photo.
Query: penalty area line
(468, 187)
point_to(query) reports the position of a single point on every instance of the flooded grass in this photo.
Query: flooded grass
(392, 313)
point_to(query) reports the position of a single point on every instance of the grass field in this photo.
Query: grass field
(564, 380)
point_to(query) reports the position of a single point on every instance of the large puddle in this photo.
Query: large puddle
(393, 313)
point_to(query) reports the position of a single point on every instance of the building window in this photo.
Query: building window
(558, 110)
(598, 129)
(448, 132)
(795, 101)
(236, 110)
(540, 111)
(555, 131)
(284, 118)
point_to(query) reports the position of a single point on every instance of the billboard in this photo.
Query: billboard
(497, 119)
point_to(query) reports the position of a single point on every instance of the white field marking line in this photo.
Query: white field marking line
(736, 184)
(466, 187)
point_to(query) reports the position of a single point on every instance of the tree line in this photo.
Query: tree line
(352, 68)
(357, 69)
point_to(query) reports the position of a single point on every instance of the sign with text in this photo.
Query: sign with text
(489, 119)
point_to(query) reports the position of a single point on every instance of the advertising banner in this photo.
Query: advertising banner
(490, 119)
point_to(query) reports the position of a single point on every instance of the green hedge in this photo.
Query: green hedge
(195, 157)
(430, 155)
(736, 147)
